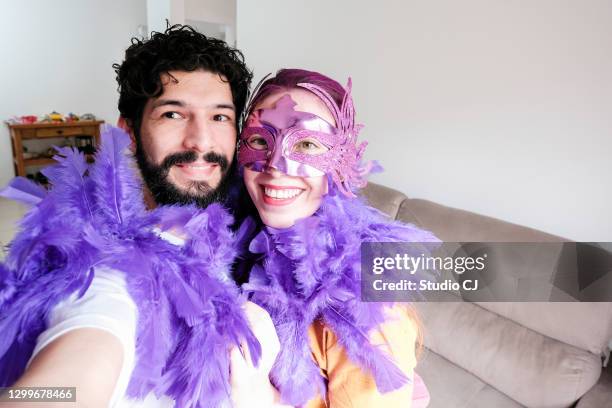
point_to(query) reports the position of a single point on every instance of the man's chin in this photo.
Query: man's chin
(180, 197)
(198, 189)
(195, 187)
(198, 193)
(190, 172)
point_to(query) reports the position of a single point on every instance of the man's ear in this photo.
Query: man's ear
(123, 124)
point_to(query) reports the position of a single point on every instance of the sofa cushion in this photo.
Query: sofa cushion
(453, 225)
(532, 369)
(590, 322)
(600, 395)
(452, 387)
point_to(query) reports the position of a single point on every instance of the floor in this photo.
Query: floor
(10, 214)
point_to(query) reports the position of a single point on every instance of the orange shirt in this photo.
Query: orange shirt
(348, 385)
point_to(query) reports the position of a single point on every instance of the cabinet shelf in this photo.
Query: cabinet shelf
(41, 161)
(46, 131)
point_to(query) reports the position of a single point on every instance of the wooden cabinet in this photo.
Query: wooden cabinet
(19, 133)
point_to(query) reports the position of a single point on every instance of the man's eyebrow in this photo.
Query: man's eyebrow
(175, 102)
(225, 106)
(164, 102)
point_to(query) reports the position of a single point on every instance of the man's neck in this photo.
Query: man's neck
(149, 200)
(176, 231)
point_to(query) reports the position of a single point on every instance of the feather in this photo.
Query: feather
(68, 180)
(23, 190)
(119, 193)
(7, 285)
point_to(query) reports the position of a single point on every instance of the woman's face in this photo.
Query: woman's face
(281, 199)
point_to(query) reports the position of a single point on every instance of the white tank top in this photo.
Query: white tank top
(108, 306)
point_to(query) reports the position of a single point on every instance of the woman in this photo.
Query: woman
(301, 164)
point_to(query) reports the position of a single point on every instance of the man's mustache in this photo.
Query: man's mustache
(192, 157)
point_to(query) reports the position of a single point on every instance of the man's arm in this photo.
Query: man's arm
(91, 360)
(89, 343)
(86, 358)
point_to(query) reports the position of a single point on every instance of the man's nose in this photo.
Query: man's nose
(199, 136)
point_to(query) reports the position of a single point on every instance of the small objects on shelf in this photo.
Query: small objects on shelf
(39, 178)
(71, 117)
(22, 120)
(54, 117)
(27, 154)
(85, 144)
(28, 119)
(50, 152)
(88, 116)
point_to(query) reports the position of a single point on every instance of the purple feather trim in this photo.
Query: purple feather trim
(189, 309)
(312, 271)
(23, 190)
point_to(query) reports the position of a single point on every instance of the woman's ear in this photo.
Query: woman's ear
(122, 123)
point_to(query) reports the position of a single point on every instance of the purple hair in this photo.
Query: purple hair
(289, 78)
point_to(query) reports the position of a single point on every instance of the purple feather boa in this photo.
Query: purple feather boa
(189, 308)
(312, 271)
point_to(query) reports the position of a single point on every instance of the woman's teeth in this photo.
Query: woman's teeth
(281, 194)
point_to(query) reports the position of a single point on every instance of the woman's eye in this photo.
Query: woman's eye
(310, 147)
(221, 118)
(172, 115)
(257, 142)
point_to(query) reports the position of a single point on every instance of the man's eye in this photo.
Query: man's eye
(221, 118)
(257, 142)
(172, 115)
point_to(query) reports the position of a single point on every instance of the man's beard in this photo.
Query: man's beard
(199, 193)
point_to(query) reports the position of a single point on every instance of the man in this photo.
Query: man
(193, 88)
(181, 95)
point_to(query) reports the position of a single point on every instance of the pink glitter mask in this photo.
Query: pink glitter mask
(303, 144)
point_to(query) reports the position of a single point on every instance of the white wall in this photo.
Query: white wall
(499, 107)
(57, 55)
(212, 11)
(214, 18)
(158, 11)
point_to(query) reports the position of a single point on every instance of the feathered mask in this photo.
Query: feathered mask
(305, 145)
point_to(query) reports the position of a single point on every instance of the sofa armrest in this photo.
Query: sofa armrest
(383, 198)
(600, 395)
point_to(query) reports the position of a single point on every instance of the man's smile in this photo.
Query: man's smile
(197, 171)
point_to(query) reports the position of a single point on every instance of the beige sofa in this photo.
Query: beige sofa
(499, 355)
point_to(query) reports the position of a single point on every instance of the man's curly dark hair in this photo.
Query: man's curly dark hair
(179, 48)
